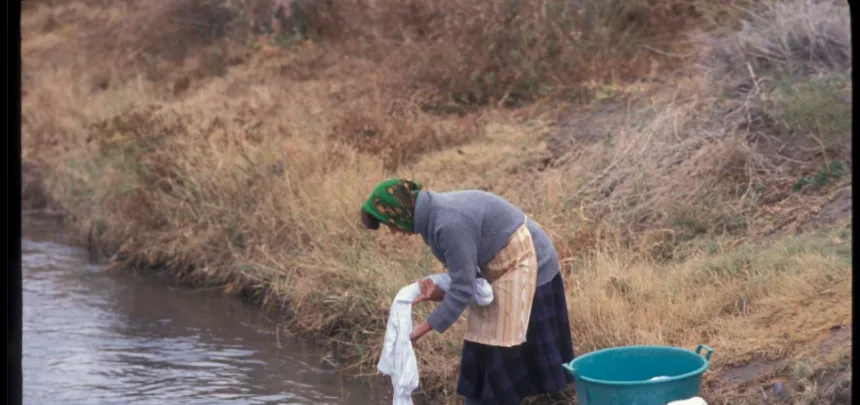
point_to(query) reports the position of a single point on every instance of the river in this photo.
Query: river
(96, 338)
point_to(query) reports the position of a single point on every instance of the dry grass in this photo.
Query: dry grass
(240, 160)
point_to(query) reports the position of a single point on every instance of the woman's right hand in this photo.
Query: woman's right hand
(429, 291)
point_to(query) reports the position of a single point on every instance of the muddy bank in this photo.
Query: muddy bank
(33, 196)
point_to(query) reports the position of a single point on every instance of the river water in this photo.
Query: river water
(97, 338)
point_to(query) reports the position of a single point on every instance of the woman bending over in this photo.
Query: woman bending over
(514, 347)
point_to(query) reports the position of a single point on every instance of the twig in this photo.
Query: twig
(505, 97)
(668, 54)
(41, 212)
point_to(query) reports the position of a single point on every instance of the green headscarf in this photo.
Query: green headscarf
(393, 202)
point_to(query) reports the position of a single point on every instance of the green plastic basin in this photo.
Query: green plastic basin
(622, 375)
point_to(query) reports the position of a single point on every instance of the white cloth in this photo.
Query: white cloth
(398, 358)
(689, 401)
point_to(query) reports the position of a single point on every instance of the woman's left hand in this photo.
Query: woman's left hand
(429, 291)
(419, 331)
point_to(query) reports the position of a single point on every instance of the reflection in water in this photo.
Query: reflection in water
(97, 338)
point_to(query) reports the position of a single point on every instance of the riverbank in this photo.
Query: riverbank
(705, 203)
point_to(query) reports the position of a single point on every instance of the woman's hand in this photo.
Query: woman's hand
(419, 331)
(429, 291)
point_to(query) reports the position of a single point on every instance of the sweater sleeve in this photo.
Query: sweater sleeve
(459, 248)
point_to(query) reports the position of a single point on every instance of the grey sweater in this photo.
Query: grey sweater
(465, 229)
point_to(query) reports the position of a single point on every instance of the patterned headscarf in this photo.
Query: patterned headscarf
(393, 202)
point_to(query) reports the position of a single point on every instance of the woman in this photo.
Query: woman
(514, 347)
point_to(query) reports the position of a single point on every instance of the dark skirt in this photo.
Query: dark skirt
(507, 375)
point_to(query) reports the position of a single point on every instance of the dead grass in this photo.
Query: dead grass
(676, 225)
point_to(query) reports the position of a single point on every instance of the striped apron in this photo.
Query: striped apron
(513, 274)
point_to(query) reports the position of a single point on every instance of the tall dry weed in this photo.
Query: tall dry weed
(506, 51)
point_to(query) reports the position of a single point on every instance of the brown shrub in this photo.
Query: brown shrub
(399, 135)
(787, 70)
(793, 37)
(502, 51)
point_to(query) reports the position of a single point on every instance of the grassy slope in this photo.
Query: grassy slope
(703, 207)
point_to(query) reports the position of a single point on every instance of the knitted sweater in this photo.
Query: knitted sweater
(465, 229)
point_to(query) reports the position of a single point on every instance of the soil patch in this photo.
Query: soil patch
(33, 197)
(839, 336)
(838, 208)
(750, 372)
(768, 381)
(588, 126)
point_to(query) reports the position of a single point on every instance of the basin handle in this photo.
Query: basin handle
(569, 368)
(708, 351)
